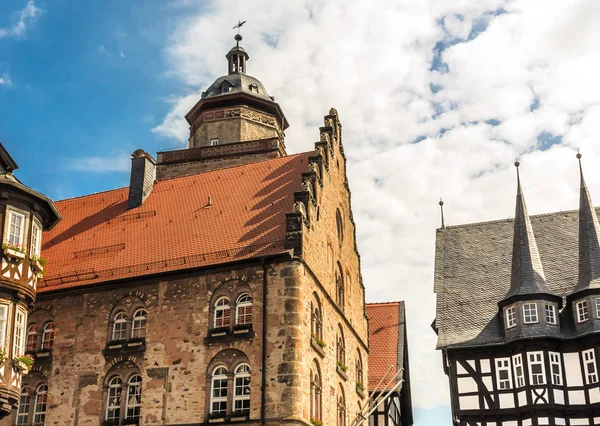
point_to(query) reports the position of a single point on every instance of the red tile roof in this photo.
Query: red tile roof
(384, 330)
(99, 239)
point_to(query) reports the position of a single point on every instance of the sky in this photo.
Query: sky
(436, 97)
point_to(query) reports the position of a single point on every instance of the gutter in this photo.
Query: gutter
(263, 396)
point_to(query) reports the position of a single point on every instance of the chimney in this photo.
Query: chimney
(143, 167)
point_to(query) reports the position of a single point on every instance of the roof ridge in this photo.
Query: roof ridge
(90, 195)
(392, 302)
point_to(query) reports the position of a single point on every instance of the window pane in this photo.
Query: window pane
(48, 339)
(138, 328)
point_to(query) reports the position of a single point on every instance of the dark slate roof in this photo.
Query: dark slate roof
(589, 242)
(240, 83)
(473, 273)
(7, 164)
(527, 273)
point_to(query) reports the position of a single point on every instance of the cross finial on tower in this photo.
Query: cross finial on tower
(238, 26)
(442, 212)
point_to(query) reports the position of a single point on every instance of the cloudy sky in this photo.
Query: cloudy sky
(436, 98)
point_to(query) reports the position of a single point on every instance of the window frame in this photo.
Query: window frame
(248, 305)
(598, 308)
(136, 319)
(503, 384)
(12, 212)
(552, 318)
(222, 308)
(3, 323)
(221, 377)
(118, 393)
(590, 354)
(530, 317)
(32, 330)
(511, 316)
(582, 311)
(214, 142)
(137, 386)
(555, 360)
(43, 344)
(540, 362)
(36, 234)
(519, 377)
(40, 412)
(245, 397)
(20, 412)
(18, 344)
(120, 317)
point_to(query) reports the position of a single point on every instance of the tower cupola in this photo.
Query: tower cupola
(237, 57)
(529, 308)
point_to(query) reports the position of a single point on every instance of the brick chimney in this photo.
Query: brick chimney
(143, 167)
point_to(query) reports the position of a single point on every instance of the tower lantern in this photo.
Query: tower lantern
(237, 57)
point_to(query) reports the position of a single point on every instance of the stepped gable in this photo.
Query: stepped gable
(186, 222)
(386, 341)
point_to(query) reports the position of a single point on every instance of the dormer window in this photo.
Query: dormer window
(550, 311)
(530, 313)
(214, 142)
(582, 311)
(511, 317)
(597, 308)
(253, 87)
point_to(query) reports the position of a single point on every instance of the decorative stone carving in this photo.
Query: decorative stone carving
(300, 208)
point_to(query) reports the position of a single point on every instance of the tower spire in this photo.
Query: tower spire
(237, 56)
(527, 275)
(589, 239)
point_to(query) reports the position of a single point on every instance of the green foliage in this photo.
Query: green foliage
(342, 366)
(316, 422)
(318, 341)
(360, 386)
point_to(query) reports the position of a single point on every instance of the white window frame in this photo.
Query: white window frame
(19, 334)
(241, 375)
(119, 318)
(36, 238)
(3, 323)
(597, 308)
(39, 409)
(243, 301)
(503, 364)
(582, 311)
(225, 306)
(555, 361)
(23, 410)
(222, 376)
(589, 360)
(138, 325)
(511, 316)
(531, 363)
(214, 142)
(132, 402)
(550, 313)
(530, 313)
(115, 391)
(49, 328)
(12, 213)
(519, 377)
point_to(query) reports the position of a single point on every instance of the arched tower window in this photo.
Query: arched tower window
(138, 326)
(316, 319)
(123, 394)
(339, 225)
(32, 338)
(134, 397)
(341, 349)
(119, 331)
(339, 284)
(32, 402)
(359, 369)
(113, 405)
(315, 392)
(218, 394)
(24, 406)
(341, 408)
(39, 410)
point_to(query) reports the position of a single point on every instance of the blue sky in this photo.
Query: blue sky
(88, 79)
(436, 99)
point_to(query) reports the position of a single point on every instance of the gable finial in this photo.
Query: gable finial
(441, 203)
(581, 179)
(517, 164)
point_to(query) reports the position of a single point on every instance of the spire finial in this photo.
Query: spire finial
(441, 203)
(517, 164)
(582, 180)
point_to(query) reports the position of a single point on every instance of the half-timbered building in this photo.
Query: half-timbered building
(518, 315)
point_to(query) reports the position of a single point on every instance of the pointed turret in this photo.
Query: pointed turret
(530, 307)
(589, 240)
(527, 275)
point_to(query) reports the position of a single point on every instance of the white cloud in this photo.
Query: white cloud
(433, 71)
(29, 14)
(5, 80)
(118, 163)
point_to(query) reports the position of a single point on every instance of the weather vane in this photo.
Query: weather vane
(238, 26)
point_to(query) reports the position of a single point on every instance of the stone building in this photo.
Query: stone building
(228, 289)
(518, 314)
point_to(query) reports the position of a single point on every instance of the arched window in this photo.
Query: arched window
(41, 400)
(113, 402)
(32, 338)
(316, 327)
(243, 309)
(340, 349)
(241, 392)
(341, 409)
(359, 369)
(315, 393)
(339, 224)
(218, 395)
(134, 397)
(24, 405)
(119, 331)
(339, 284)
(48, 336)
(138, 327)
(222, 313)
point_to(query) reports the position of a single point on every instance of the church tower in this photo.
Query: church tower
(24, 213)
(235, 122)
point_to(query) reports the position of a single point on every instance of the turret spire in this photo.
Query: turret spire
(589, 239)
(527, 275)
